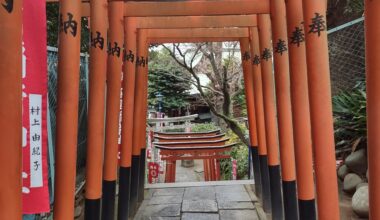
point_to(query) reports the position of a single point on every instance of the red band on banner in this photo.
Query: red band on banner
(34, 73)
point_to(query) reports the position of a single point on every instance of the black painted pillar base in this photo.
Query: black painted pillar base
(307, 209)
(140, 196)
(290, 199)
(92, 209)
(124, 190)
(276, 194)
(265, 183)
(134, 185)
(256, 170)
(108, 199)
(249, 162)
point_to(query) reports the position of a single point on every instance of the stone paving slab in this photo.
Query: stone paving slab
(238, 215)
(230, 189)
(199, 206)
(218, 202)
(235, 205)
(167, 210)
(199, 193)
(168, 192)
(200, 216)
(239, 197)
(157, 200)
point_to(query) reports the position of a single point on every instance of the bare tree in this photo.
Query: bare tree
(223, 71)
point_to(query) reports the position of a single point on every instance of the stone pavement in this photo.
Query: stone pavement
(215, 202)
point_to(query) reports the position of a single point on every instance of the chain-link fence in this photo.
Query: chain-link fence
(347, 55)
(82, 118)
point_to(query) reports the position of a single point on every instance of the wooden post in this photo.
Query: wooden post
(321, 108)
(205, 169)
(301, 111)
(260, 119)
(11, 113)
(114, 71)
(138, 123)
(212, 168)
(270, 115)
(372, 29)
(67, 111)
(284, 108)
(127, 186)
(142, 69)
(250, 100)
(217, 170)
(96, 107)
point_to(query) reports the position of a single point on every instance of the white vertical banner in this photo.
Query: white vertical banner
(35, 134)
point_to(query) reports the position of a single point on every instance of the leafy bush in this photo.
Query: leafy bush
(239, 153)
(350, 119)
(204, 127)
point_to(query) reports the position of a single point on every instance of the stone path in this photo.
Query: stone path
(225, 202)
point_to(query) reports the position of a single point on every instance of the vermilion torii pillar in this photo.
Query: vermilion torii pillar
(284, 110)
(372, 28)
(96, 108)
(114, 72)
(142, 69)
(260, 118)
(250, 102)
(10, 112)
(127, 149)
(67, 110)
(321, 108)
(264, 26)
(139, 125)
(301, 111)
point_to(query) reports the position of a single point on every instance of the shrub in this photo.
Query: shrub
(350, 119)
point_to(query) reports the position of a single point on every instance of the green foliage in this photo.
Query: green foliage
(168, 79)
(239, 153)
(52, 16)
(350, 119)
(354, 6)
(239, 100)
(204, 127)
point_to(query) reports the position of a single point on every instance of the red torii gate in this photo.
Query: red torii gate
(318, 85)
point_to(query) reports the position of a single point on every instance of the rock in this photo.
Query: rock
(343, 171)
(360, 202)
(361, 185)
(350, 182)
(357, 161)
(78, 211)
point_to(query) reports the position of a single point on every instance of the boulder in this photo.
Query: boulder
(360, 202)
(357, 161)
(343, 171)
(350, 182)
(361, 185)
